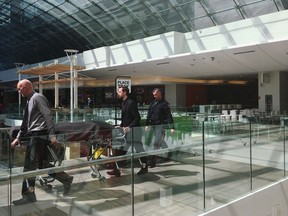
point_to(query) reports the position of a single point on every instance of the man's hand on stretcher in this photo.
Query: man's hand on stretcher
(147, 128)
(125, 129)
(54, 142)
(15, 143)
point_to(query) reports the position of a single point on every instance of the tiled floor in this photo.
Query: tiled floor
(171, 188)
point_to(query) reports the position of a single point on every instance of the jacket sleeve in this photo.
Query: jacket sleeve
(135, 114)
(168, 119)
(43, 107)
(148, 117)
(23, 129)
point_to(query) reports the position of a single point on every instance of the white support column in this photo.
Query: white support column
(269, 87)
(19, 67)
(56, 86)
(40, 84)
(71, 54)
(75, 85)
(56, 100)
(19, 95)
(175, 94)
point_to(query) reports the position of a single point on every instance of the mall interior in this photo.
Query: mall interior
(222, 66)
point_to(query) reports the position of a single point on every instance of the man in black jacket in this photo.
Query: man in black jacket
(130, 120)
(159, 118)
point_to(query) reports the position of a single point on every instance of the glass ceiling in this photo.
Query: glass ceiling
(33, 31)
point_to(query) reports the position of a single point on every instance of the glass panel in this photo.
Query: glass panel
(4, 148)
(174, 183)
(83, 158)
(83, 4)
(203, 22)
(96, 11)
(121, 33)
(58, 2)
(170, 17)
(159, 5)
(193, 10)
(179, 28)
(152, 22)
(81, 16)
(140, 11)
(43, 5)
(134, 27)
(222, 18)
(105, 35)
(56, 12)
(227, 156)
(267, 150)
(68, 8)
(83, 30)
(244, 2)
(178, 182)
(94, 25)
(122, 16)
(184, 1)
(259, 8)
(108, 21)
(218, 5)
(4, 170)
(31, 11)
(139, 35)
(71, 22)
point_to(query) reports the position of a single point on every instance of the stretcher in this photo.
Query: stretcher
(100, 137)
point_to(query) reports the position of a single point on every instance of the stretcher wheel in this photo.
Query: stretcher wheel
(49, 188)
(102, 179)
(94, 175)
(41, 182)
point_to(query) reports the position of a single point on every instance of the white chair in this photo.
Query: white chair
(233, 114)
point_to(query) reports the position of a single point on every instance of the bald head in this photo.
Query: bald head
(25, 87)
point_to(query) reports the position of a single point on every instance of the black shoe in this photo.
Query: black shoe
(67, 186)
(153, 161)
(167, 159)
(143, 170)
(26, 199)
(115, 172)
(152, 165)
(122, 164)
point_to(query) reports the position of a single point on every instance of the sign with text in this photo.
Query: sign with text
(123, 82)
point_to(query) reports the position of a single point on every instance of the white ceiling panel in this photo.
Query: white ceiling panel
(231, 63)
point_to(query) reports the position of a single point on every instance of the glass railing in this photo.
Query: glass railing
(208, 162)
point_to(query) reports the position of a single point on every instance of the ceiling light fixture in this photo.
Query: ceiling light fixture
(162, 63)
(244, 52)
(237, 82)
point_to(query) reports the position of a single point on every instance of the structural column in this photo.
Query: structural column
(72, 56)
(175, 94)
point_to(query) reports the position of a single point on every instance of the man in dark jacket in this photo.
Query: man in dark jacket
(130, 120)
(159, 118)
